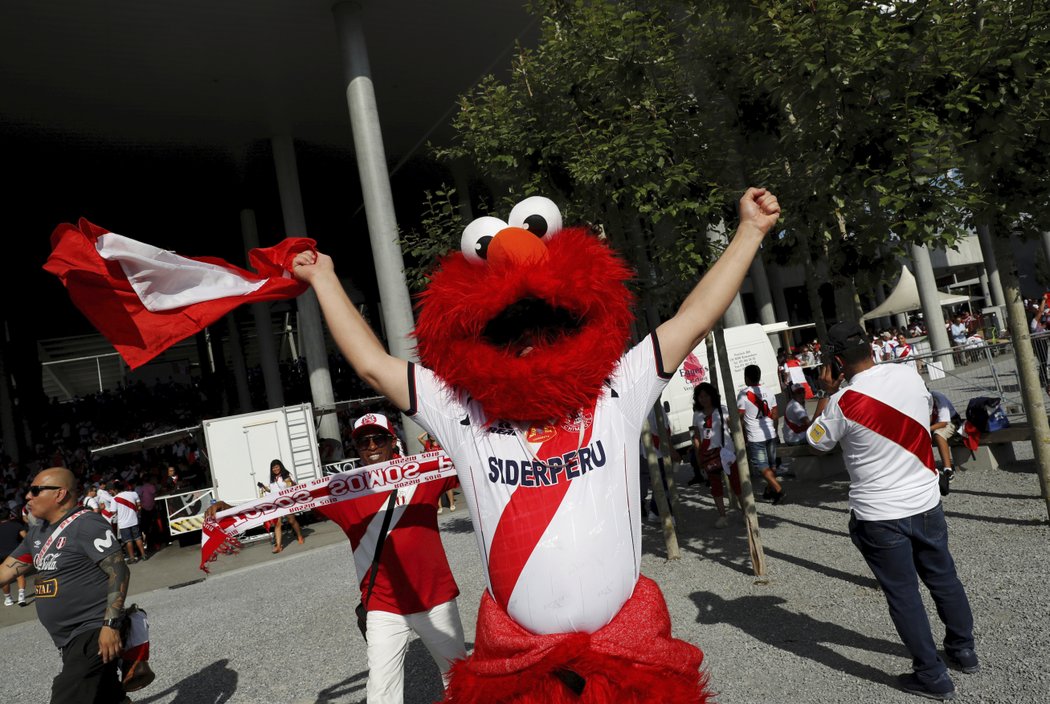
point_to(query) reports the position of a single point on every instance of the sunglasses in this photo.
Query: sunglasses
(377, 440)
(35, 490)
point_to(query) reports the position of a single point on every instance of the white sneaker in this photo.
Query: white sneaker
(440, 509)
(8, 601)
(21, 597)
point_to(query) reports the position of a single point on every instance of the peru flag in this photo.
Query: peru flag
(144, 299)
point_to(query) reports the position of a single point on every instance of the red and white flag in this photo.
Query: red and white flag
(144, 299)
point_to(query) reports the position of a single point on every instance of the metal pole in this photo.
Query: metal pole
(995, 374)
(375, 188)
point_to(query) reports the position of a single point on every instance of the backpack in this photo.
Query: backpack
(986, 414)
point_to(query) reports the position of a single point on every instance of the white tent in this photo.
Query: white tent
(905, 298)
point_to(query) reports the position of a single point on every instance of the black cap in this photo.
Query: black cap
(844, 336)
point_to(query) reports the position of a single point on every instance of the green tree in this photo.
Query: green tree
(602, 117)
(999, 101)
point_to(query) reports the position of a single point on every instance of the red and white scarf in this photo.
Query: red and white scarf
(219, 535)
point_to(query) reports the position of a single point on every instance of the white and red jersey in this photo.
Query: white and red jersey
(889, 349)
(796, 375)
(795, 417)
(712, 435)
(882, 420)
(413, 574)
(126, 504)
(106, 506)
(756, 405)
(555, 505)
(709, 429)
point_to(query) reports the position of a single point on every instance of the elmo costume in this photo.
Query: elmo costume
(524, 381)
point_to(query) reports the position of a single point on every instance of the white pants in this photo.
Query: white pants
(441, 632)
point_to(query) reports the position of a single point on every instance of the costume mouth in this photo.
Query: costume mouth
(530, 323)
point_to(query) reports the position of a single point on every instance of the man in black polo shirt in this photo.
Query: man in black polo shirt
(81, 585)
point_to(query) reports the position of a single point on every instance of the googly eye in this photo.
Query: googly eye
(476, 237)
(538, 215)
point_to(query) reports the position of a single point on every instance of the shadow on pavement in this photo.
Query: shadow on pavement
(214, 684)
(422, 680)
(763, 618)
(459, 524)
(729, 547)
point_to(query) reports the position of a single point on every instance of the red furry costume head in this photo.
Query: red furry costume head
(529, 319)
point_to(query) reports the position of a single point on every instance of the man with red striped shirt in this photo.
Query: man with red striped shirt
(881, 418)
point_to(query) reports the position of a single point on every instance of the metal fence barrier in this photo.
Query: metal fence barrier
(980, 369)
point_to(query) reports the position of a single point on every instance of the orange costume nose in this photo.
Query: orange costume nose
(515, 245)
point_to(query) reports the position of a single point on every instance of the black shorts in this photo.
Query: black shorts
(84, 678)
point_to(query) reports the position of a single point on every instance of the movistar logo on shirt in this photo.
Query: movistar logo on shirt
(532, 472)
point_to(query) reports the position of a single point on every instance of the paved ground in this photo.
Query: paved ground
(266, 628)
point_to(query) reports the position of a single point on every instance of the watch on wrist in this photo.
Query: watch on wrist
(821, 393)
(114, 623)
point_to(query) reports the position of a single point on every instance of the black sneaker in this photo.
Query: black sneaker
(779, 496)
(941, 689)
(965, 660)
(767, 493)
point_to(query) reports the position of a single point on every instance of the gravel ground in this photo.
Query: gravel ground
(816, 631)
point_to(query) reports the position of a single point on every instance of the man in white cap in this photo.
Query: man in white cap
(413, 588)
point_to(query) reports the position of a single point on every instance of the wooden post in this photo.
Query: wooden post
(747, 494)
(663, 431)
(1027, 365)
(657, 486)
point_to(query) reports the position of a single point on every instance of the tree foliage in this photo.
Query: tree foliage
(878, 124)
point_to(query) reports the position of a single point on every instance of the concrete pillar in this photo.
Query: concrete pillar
(764, 297)
(240, 366)
(984, 235)
(776, 287)
(734, 315)
(375, 188)
(845, 307)
(263, 324)
(899, 319)
(932, 312)
(1045, 240)
(310, 327)
(986, 291)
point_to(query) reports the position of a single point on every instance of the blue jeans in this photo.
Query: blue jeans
(899, 553)
(762, 455)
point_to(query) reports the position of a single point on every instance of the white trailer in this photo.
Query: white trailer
(239, 450)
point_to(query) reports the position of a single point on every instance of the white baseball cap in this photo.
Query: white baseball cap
(372, 420)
